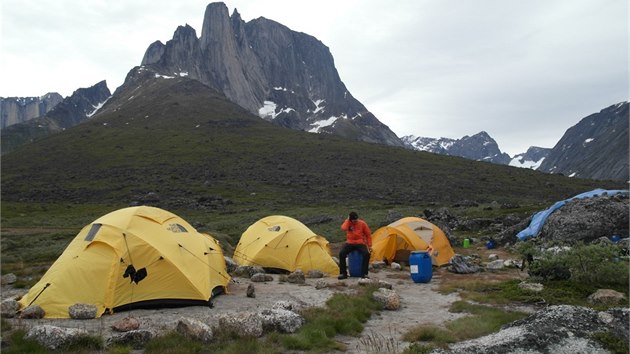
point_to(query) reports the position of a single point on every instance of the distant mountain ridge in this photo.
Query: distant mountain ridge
(74, 109)
(478, 147)
(15, 110)
(283, 76)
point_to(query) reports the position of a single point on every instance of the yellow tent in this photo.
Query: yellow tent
(280, 242)
(411, 234)
(135, 257)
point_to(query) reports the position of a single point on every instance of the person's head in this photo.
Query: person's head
(353, 216)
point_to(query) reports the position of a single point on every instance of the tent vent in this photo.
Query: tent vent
(176, 228)
(274, 228)
(93, 231)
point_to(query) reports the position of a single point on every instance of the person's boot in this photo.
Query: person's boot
(342, 276)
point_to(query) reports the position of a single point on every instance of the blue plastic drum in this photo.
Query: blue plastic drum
(355, 264)
(421, 266)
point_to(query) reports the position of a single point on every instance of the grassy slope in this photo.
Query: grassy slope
(212, 162)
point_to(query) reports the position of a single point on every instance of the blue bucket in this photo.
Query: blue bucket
(421, 266)
(355, 264)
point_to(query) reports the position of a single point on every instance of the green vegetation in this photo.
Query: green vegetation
(613, 343)
(483, 320)
(598, 265)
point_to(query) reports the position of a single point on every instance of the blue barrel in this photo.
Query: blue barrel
(355, 264)
(420, 265)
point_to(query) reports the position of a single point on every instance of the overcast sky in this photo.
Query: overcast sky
(522, 70)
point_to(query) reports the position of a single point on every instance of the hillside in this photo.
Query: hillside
(180, 145)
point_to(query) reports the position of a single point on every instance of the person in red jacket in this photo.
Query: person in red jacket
(359, 238)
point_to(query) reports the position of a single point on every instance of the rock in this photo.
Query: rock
(388, 298)
(281, 320)
(33, 312)
(8, 279)
(495, 265)
(126, 324)
(261, 278)
(230, 264)
(9, 308)
(533, 287)
(53, 337)
(554, 329)
(459, 265)
(321, 284)
(194, 329)
(251, 291)
(493, 257)
(296, 277)
(82, 311)
(137, 339)
(248, 271)
(378, 265)
(315, 273)
(294, 306)
(242, 324)
(606, 297)
(395, 266)
(588, 219)
(510, 263)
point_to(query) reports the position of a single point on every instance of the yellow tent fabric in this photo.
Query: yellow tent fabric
(135, 257)
(411, 234)
(281, 242)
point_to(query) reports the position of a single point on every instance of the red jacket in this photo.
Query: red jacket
(357, 232)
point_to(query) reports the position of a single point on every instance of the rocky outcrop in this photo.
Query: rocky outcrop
(555, 329)
(596, 147)
(283, 76)
(15, 110)
(588, 219)
(194, 329)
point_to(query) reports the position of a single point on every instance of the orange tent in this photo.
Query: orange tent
(411, 234)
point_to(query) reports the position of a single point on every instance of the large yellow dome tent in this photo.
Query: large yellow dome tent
(411, 234)
(283, 243)
(135, 257)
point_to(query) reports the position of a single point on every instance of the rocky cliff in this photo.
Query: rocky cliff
(281, 75)
(14, 110)
(78, 107)
(596, 147)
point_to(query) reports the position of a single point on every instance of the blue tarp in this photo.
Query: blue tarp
(538, 220)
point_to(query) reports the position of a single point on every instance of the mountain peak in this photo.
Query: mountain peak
(271, 71)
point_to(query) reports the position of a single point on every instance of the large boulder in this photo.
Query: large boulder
(126, 324)
(53, 337)
(281, 320)
(243, 324)
(194, 329)
(588, 219)
(389, 299)
(555, 329)
(606, 297)
(9, 308)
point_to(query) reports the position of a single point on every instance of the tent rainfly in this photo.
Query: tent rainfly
(138, 257)
(411, 234)
(282, 243)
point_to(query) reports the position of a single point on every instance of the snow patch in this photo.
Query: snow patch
(588, 140)
(268, 111)
(183, 74)
(164, 76)
(97, 107)
(518, 162)
(318, 107)
(323, 123)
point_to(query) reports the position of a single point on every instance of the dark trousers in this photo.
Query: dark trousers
(349, 247)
